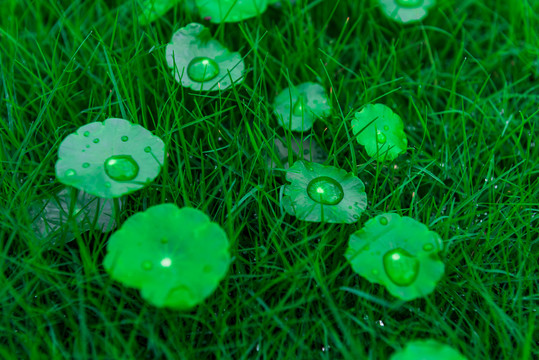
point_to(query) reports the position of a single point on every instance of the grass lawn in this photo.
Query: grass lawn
(465, 81)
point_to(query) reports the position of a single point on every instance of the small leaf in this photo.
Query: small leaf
(110, 159)
(176, 257)
(201, 63)
(427, 349)
(405, 11)
(299, 106)
(399, 253)
(381, 131)
(323, 193)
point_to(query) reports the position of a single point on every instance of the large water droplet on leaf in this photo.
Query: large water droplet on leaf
(325, 190)
(202, 69)
(121, 167)
(401, 267)
(381, 138)
(410, 3)
(299, 107)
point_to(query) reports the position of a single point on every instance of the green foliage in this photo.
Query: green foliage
(152, 10)
(297, 107)
(202, 63)
(58, 218)
(427, 350)
(176, 257)
(464, 81)
(218, 11)
(110, 159)
(399, 253)
(321, 193)
(405, 11)
(381, 131)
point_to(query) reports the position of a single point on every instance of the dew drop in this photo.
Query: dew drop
(325, 190)
(428, 247)
(164, 240)
(147, 149)
(86, 165)
(380, 137)
(375, 272)
(401, 267)
(107, 185)
(96, 140)
(124, 138)
(386, 128)
(410, 3)
(86, 134)
(70, 172)
(147, 265)
(202, 69)
(299, 107)
(87, 147)
(383, 220)
(207, 269)
(121, 167)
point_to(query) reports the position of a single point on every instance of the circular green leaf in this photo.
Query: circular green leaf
(381, 131)
(427, 350)
(405, 11)
(53, 222)
(218, 11)
(201, 63)
(323, 193)
(176, 257)
(299, 106)
(399, 253)
(110, 159)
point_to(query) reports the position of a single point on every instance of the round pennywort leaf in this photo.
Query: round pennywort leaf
(110, 159)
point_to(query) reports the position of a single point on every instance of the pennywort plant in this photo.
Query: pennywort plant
(297, 107)
(406, 11)
(381, 131)
(398, 252)
(202, 63)
(110, 159)
(176, 257)
(319, 193)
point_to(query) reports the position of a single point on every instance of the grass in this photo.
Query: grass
(466, 84)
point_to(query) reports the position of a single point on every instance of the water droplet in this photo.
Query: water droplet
(375, 272)
(380, 137)
(299, 107)
(96, 140)
(383, 220)
(164, 240)
(147, 149)
(428, 247)
(121, 167)
(325, 190)
(86, 165)
(386, 128)
(86, 134)
(70, 172)
(147, 265)
(207, 269)
(87, 147)
(107, 185)
(401, 267)
(124, 138)
(202, 69)
(410, 3)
